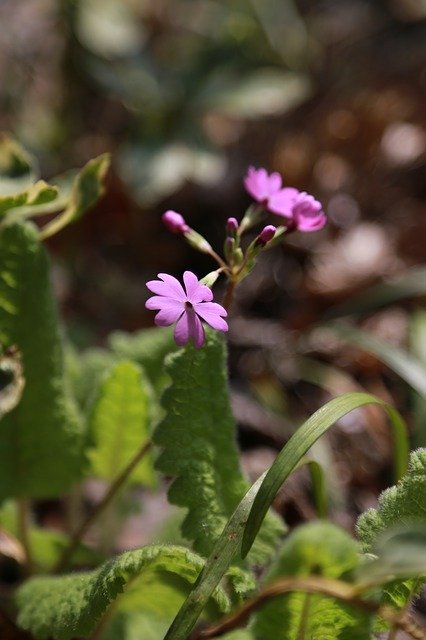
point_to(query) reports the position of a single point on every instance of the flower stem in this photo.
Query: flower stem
(115, 486)
(229, 293)
(23, 507)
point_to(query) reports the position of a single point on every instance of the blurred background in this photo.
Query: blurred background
(186, 94)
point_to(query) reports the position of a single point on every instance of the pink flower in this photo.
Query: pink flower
(266, 235)
(307, 213)
(268, 191)
(185, 307)
(174, 222)
(304, 213)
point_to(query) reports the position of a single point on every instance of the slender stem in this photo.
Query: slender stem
(23, 507)
(229, 293)
(106, 500)
(218, 259)
(313, 584)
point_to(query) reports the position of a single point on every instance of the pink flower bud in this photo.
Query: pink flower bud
(266, 235)
(174, 222)
(231, 226)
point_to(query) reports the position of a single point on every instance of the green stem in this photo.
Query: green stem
(114, 488)
(23, 507)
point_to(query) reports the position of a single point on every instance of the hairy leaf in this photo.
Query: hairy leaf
(154, 578)
(86, 190)
(120, 424)
(401, 504)
(199, 424)
(319, 549)
(41, 438)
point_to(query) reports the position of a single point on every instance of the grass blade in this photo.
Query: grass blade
(300, 443)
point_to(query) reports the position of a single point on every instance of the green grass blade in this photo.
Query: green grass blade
(404, 364)
(300, 443)
(411, 284)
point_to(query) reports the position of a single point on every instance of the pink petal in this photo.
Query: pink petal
(255, 183)
(165, 317)
(211, 312)
(312, 223)
(189, 326)
(196, 292)
(274, 183)
(170, 287)
(169, 310)
(281, 203)
(158, 302)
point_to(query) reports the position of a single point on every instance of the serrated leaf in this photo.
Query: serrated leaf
(120, 424)
(85, 372)
(199, 424)
(17, 167)
(319, 549)
(41, 438)
(303, 439)
(71, 606)
(399, 505)
(86, 190)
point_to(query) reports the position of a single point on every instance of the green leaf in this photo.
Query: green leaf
(85, 371)
(41, 438)
(12, 381)
(300, 443)
(404, 364)
(417, 336)
(17, 168)
(398, 505)
(199, 424)
(120, 424)
(86, 190)
(71, 606)
(319, 549)
(149, 348)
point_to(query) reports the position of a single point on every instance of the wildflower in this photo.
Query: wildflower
(174, 222)
(302, 211)
(231, 226)
(267, 189)
(186, 307)
(307, 214)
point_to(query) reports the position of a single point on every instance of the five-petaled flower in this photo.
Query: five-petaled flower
(302, 211)
(185, 307)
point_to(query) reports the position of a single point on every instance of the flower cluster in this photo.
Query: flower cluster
(302, 211)
(188, 306)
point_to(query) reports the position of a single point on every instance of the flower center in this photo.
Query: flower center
(188, 305)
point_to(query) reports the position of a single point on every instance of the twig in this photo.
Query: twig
(229, 293)
(110, 494)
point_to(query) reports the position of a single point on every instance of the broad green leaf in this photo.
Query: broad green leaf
(35, 196)
(85, 371)
(149, 348)
(199, 425)
(46, 545)
(300, 443)
(120, 424)
(319, 549)
(399, 553)
(86, 190)
(404, 364)
(398, 505)
(411, 284)
(41, 438)
(154, 578)
(17, 170)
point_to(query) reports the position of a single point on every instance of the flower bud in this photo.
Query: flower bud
(232, 227)
(265, 235)
(174, 222)
(210, 278)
